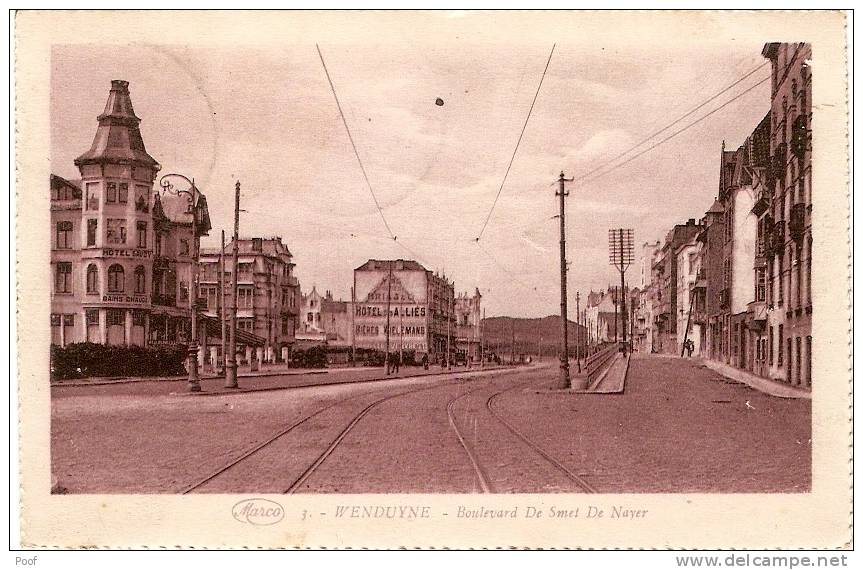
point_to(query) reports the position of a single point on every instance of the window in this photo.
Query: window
(257, 244)
(142, 234)
(808, 360)
(780, 295)
(123, 195)
(157, 241)
(142, 198)
(61, 191)
(780, 346)
(285, 329)
(770, 346)
(140, 279)
(92, 199)
(116, 233)
(760, 284)
(111, 192)
(184, 291)
(92, 316)
(138, 318)
(63, 282)
(64, 235)
(116, 280)
(245, 296)
(92, 279)
(310, 318)
(92, 228)
(184, 247)
(116, 317)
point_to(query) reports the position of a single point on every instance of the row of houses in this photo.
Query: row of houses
(737, 281)
(124, 251)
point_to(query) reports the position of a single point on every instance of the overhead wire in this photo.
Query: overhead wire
(689, 113)
(677, 132)
(354, 146)
(518, 142)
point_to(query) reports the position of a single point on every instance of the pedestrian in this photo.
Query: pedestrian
(397, 360)
(425, 361)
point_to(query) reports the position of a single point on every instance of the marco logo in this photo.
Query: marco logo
(259, 512)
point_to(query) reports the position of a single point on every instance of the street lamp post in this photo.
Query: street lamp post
(192, 194)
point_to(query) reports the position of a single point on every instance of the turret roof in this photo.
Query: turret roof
(118, 137)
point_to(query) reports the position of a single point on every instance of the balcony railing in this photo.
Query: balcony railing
(778, 236)
(799, 136)
(797, 223)
(762, 201)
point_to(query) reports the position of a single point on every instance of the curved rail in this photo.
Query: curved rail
(585, 486)
(335, 443)
(248, 453)
(481, 476)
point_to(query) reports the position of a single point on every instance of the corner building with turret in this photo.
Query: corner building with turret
(121, 254)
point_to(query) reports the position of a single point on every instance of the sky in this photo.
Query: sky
(267, 117)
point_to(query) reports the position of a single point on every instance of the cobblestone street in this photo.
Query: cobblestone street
(679, 427)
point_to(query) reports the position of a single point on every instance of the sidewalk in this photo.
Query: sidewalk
(613, 380)
(104, 381)
(771, 387)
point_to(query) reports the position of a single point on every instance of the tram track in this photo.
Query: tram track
(321, 458)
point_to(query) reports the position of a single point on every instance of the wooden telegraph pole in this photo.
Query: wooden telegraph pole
(564, 353)
(222, 302)
(389, 292)
(231, 367)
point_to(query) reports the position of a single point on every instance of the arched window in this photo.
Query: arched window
(140, 280)
(116, 280)
(92, 278)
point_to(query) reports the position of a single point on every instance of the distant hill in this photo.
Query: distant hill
(498, 333)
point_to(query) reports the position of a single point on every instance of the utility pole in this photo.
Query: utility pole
(448, 325)
(622, 291)
(578, 329)
(231, 368)
(482, 340)
(621, 255)
(512, 340)
(389, 292)
(616, 301)
(222, 300)
(564, 355)
(353, 327)
(540, 344)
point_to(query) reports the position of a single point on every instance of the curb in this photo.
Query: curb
(236, 391)
(126, 380)
(763, 385)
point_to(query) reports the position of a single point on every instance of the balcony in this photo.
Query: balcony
(762, 200)
(797, 223)
(758, 310)
(799, 137)
(777, 237)
(779, 161)
(700, 280)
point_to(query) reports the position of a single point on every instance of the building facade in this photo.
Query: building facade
(690, 296)
(421, 307)
(468, 314)
(665, 302)
(121, 254)
(268, 298)
(784, 209)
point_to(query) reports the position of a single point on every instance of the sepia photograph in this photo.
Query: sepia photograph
(427, 260)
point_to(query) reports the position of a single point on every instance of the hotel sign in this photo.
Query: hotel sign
(132, 253)
(395, 311)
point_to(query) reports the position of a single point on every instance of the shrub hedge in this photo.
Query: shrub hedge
(86, 359)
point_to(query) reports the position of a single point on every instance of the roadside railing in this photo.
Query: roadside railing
(595, 364)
